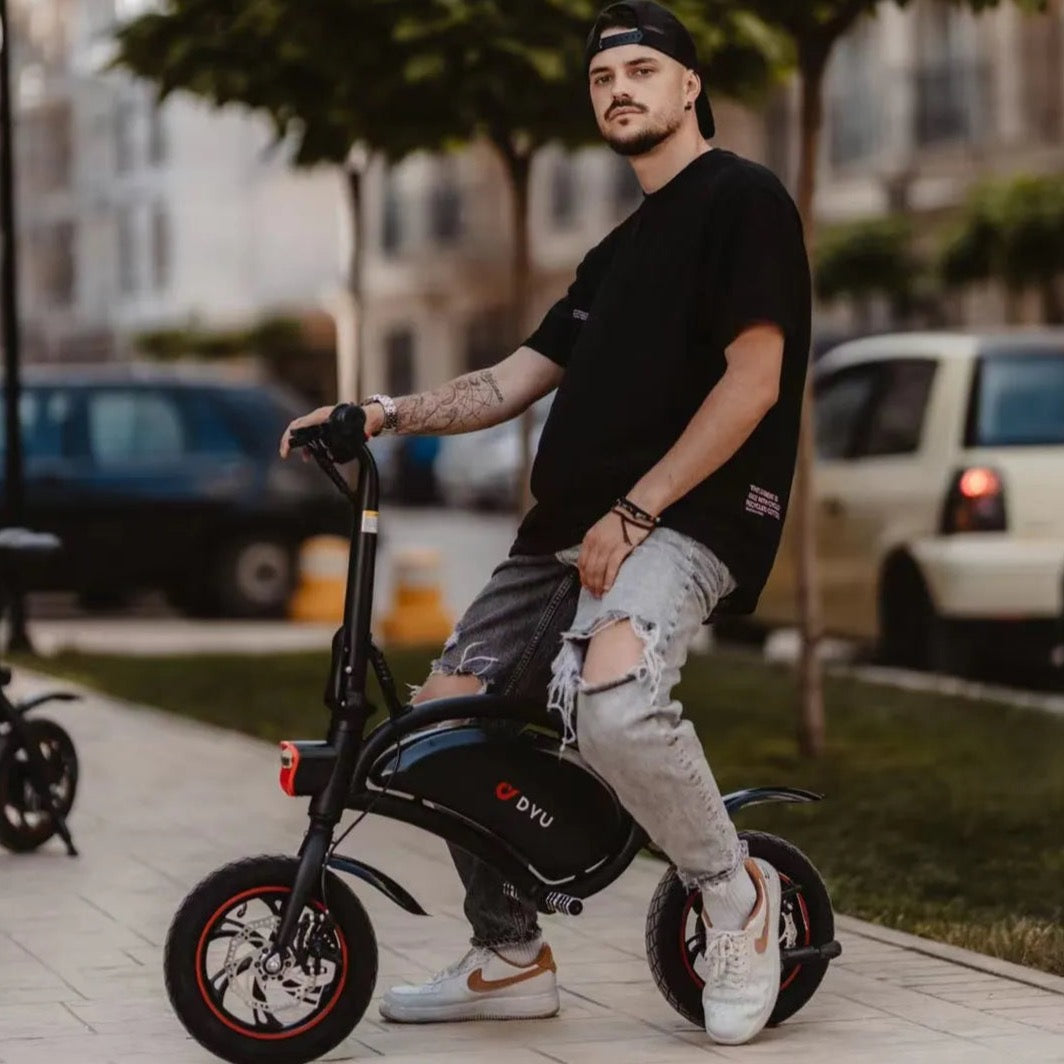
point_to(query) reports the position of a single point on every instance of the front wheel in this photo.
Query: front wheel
(218, 981)
(675, 934)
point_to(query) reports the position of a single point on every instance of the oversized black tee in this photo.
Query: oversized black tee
(642, 333)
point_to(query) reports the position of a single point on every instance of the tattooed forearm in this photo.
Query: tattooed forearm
(471, 402)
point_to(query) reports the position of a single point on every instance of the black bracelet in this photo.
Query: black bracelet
(626, 520)
(637, 512)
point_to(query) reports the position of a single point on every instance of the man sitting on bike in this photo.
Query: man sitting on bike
(661, 482)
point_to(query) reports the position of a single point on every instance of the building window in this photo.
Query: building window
(626, 191)
(156, 134)
(1042, 59)
(445, 205)
(949, 80)
(125, 114)
(45, 147)
(853, 101)
(563, 193)
(126, 235)
(160, 248)
(399, 362)
(392, 218)
(487, 338)
(54, 267)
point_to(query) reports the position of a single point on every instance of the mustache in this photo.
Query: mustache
(623, 106)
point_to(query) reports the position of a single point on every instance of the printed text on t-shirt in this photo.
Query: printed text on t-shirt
(763, 502)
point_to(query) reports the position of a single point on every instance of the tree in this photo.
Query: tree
(1012, 230)
(814, 27)
(869, 258)
(329, 82)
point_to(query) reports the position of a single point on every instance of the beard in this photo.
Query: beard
(643, 141)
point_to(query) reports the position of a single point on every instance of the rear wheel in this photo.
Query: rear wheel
(913, 634)
(26, 821)
(219, 979)
(675, 934)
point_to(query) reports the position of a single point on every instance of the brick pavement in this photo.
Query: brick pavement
(163, 801)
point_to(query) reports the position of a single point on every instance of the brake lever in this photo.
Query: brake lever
(321, 455)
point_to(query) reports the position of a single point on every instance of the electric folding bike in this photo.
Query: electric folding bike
(38, 762)
(274, 959)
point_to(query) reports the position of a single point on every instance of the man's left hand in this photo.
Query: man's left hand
(604, 549)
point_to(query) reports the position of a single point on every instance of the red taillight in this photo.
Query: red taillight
(979, 483)
(975, 502)
(289, 766)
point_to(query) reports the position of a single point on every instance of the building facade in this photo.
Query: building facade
(134, 217)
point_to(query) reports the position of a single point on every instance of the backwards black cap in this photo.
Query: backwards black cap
(657, 28)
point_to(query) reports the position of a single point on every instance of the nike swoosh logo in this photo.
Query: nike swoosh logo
(479, 985)
(761, 942)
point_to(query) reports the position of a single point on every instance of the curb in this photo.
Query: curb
(967, 958)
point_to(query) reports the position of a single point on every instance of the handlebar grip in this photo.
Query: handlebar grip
(344, 432)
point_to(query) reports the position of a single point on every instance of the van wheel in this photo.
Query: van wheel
(256, 576)
(912, 634)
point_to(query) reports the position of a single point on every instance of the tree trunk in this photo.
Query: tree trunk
(520, 166)
(347, 306)
(810, 620)
(1052, 305)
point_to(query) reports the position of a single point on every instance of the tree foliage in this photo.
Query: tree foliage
(1011, 231)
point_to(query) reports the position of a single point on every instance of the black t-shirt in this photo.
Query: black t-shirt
(642, 333)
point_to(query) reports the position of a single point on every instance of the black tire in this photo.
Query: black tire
(347, 943)
(25, 822)
(913, 634)
(672, 949)
(255, 576)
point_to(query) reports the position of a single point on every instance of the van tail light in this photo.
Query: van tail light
(975, 502)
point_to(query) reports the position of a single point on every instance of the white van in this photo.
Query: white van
(940, 496)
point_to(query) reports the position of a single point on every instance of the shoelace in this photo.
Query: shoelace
(728, 962)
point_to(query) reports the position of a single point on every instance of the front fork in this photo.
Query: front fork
(326, 809)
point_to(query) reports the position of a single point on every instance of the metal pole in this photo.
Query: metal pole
(19, 638)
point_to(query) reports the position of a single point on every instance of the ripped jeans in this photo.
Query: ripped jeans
(630, 730)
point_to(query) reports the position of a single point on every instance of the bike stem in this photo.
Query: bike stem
(345, 694)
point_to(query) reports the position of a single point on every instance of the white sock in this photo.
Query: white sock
(728, 905)
(522, 953)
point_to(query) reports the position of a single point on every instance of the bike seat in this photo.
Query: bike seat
(23, 540)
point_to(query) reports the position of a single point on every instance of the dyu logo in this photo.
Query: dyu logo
(506, 792)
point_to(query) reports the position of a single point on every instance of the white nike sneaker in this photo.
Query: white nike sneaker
(743, 980)
(481, 986)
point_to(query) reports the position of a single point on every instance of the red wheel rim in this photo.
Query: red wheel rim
(241, 1029)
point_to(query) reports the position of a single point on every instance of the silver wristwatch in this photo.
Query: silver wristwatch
(391, 415)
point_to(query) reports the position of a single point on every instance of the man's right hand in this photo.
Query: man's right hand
(374, 423)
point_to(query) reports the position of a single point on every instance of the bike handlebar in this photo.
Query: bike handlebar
(343, 433)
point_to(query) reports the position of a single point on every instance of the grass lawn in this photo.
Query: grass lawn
(943, 817)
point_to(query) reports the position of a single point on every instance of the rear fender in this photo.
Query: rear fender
(759, 795)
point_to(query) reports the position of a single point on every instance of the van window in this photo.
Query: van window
(842, 400)
(134, 427)
(896, 422)
(1018, 400)
(45, 417)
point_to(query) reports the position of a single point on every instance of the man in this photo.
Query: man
(661, 481)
